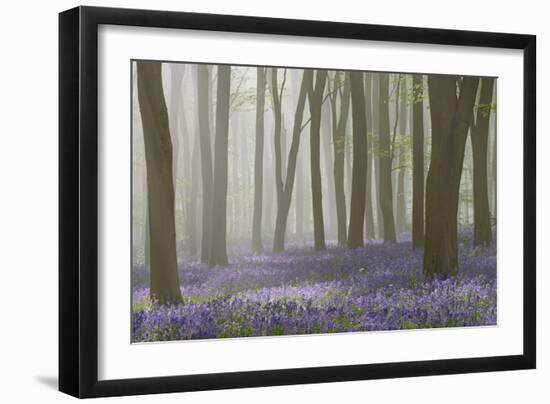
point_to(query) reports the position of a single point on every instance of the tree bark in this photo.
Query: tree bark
(339, 140)
(316, 90)
(375, 147)
(276, 99)
(236, 205)
(259, 161)
(369, 217)
(359, 170)
(203, 101)
(418, 163)
(329, 201)
(284, 205)
(450, 120)
(385, 181)
(218, 249)
(164, 280)
(300, 196)
(193, 200)
(479, 132)
(401, 205)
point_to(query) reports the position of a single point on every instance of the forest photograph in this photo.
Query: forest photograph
(271, 201)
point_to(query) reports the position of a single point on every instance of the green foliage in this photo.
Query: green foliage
(276, 330)
(413, 283)
(409, 325)
(486, 109)
(418, 93)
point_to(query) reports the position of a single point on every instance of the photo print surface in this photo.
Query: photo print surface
(273, 201)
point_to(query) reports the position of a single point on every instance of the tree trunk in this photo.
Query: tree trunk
(218, 249)
(339, 138)
(236, 204)
(376, 151)
(359, 171)
(418, 163)
(369, 217)
(203, 101)
(299, 199)
(193, 200)
(165, 287)
(259, 161)
(385, 189)
(284, 205)
(277, 135)
(450, 120)
(401, 206)
(479, 135)
(316, 91)
(329, 201)
(147, 246)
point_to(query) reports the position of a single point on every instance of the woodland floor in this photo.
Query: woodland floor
(379, 287)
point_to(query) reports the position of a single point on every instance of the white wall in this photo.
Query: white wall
(28, 202)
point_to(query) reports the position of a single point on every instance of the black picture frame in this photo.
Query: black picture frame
(78, 201)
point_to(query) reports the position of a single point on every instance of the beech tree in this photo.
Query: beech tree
(288, 186)
(203, 102)
(164, 280)
(375, 150)
(369, 216)
(479, 132)
(399, 151)
(385, 182)
(451, 116)
(359, 173)
(316, 90)
(277, 96)
(341, 90)
(418, 162)
(218, 247)
(259, 161)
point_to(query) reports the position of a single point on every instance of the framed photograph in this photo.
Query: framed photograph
(251, 201)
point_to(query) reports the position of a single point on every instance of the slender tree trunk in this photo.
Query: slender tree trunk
(203, 100)
(339, 139)
(401, 206)
(348, 147)
(316, 91)
(479, 135)
(359, 171)
(276, 100)
(165, 287)
(147, 247)
(284, 205)
(369, 217)
(245, 172)
(450, 119)
(386, 199)
(468, 188)
(418, 163)
(268, 192)
(185, 186)
(299, 200)
(259, 161)
(194, 197)
(174, 112)
(330, 202)
(236, 181)
(218, 250)
(376, 151)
